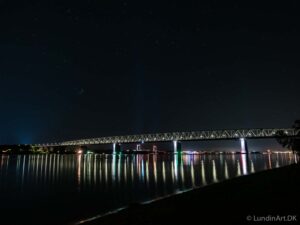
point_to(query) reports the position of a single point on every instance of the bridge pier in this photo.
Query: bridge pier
(244, 146)
(177, 146)
(117, 148)
(138, 147)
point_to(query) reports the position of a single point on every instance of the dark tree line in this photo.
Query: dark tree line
(292, 143)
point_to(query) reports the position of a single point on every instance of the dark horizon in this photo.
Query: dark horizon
(73, 70)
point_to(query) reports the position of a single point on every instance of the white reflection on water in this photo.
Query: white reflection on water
(252, 167)
(238, 172)
(155, 169)
(23, 169)
(132, 173)
(193, 175)
(203, 174)
(182, 172)
(176, 167)
(164, 171)
(214, 172)
(269, 161)
(226, 170)
(244, 163)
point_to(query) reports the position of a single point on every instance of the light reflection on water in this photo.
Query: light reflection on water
(77, 186)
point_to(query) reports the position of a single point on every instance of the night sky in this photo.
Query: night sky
(82, 69)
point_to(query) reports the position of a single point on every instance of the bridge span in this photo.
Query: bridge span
(177, 137)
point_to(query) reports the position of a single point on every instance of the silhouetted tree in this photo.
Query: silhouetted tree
(292, 143)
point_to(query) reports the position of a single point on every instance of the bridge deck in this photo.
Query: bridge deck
(184, 136)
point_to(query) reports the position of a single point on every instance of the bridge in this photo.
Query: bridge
(178, 137)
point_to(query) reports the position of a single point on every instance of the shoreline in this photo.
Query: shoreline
(265, 193)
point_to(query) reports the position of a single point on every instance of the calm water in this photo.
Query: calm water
(62, 189)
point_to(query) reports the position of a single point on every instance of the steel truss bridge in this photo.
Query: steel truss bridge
(183, 136)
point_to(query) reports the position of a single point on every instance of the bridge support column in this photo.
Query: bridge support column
(177, 146)
(244, 146)
(117, 148)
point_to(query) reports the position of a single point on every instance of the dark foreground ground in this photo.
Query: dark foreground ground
(237, 201)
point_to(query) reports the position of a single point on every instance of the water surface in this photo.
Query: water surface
(62, 189)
